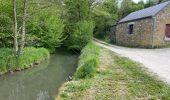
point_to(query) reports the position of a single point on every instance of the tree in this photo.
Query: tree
(77, 10)
(150, 3)
(78, 14)
(128, 6)
(6, 24)
(46, 29)
(23, 26)
(105, 15)
(81, 36)
(15, 28)
(141, 2)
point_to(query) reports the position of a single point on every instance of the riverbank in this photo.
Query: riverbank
(31, 57)
(116, 77)
(41, 81)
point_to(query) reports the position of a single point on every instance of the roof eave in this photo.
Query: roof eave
(135, 19)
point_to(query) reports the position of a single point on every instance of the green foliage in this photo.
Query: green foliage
(105, 16)
(81, 36)
(77, 10)
(128, 6)
(150, 3)
(89, 61)
(46, 31)
(88, 69)
(5, 23)
(75, 87)
(31, 55)
(47, 27)
(79, 27)
(5, 40)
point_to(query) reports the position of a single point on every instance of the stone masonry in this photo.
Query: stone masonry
(148, 32)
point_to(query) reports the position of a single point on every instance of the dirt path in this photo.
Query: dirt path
(156, 60)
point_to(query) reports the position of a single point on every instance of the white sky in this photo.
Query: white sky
(138, 1)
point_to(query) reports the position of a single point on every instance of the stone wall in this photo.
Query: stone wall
(142, 34)
(162, 18)
(147, 32)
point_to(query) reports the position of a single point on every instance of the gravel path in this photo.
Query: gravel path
(156, 60)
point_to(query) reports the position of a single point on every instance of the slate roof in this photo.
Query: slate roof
(145, 13)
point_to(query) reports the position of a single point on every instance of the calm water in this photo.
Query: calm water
(40, 82)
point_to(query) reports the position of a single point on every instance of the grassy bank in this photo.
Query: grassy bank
(88, 62)
(117, 78)
(31, 56)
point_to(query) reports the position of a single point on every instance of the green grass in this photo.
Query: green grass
(88, 62)
(119, 79)
(141, 84)
(163, 46)
(31, 55)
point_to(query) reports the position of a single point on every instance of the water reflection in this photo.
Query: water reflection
(16, 91)
(41, 82)
(43, 95)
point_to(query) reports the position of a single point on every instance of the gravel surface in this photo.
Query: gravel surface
(156, 60)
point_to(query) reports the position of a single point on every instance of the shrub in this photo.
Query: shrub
(45, 30)
(88, 62)
(81, 36)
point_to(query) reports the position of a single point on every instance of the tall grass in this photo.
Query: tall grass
(8, 61)
(89, 60)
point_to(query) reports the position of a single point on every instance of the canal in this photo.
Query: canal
(40, 82)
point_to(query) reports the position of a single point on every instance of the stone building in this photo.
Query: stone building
(149, 27)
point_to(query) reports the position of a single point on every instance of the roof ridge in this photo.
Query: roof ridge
(143, 13)
(168, 2)
(152, 6)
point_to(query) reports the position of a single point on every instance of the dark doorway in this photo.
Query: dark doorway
(167, 30)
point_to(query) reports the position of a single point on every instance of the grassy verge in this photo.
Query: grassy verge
(87, 69)
(31, 56)
(167, 46)
(117, 78)
(88, 62)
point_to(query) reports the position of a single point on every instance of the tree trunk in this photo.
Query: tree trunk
(15, 26)
(23, 27)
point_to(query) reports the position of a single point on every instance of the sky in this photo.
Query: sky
(138, 1)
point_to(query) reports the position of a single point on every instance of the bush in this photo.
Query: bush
(88, 62)
(5, 24)
(45, 30)
(31, 55)
(81, 36)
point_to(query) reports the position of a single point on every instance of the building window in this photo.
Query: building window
(167, 31)
(131, 26)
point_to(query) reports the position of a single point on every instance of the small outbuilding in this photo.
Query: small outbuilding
(149, 27)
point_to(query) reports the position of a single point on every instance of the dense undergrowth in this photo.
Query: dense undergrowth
(8, 61)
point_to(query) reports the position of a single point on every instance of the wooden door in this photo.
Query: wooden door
(167, 30)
